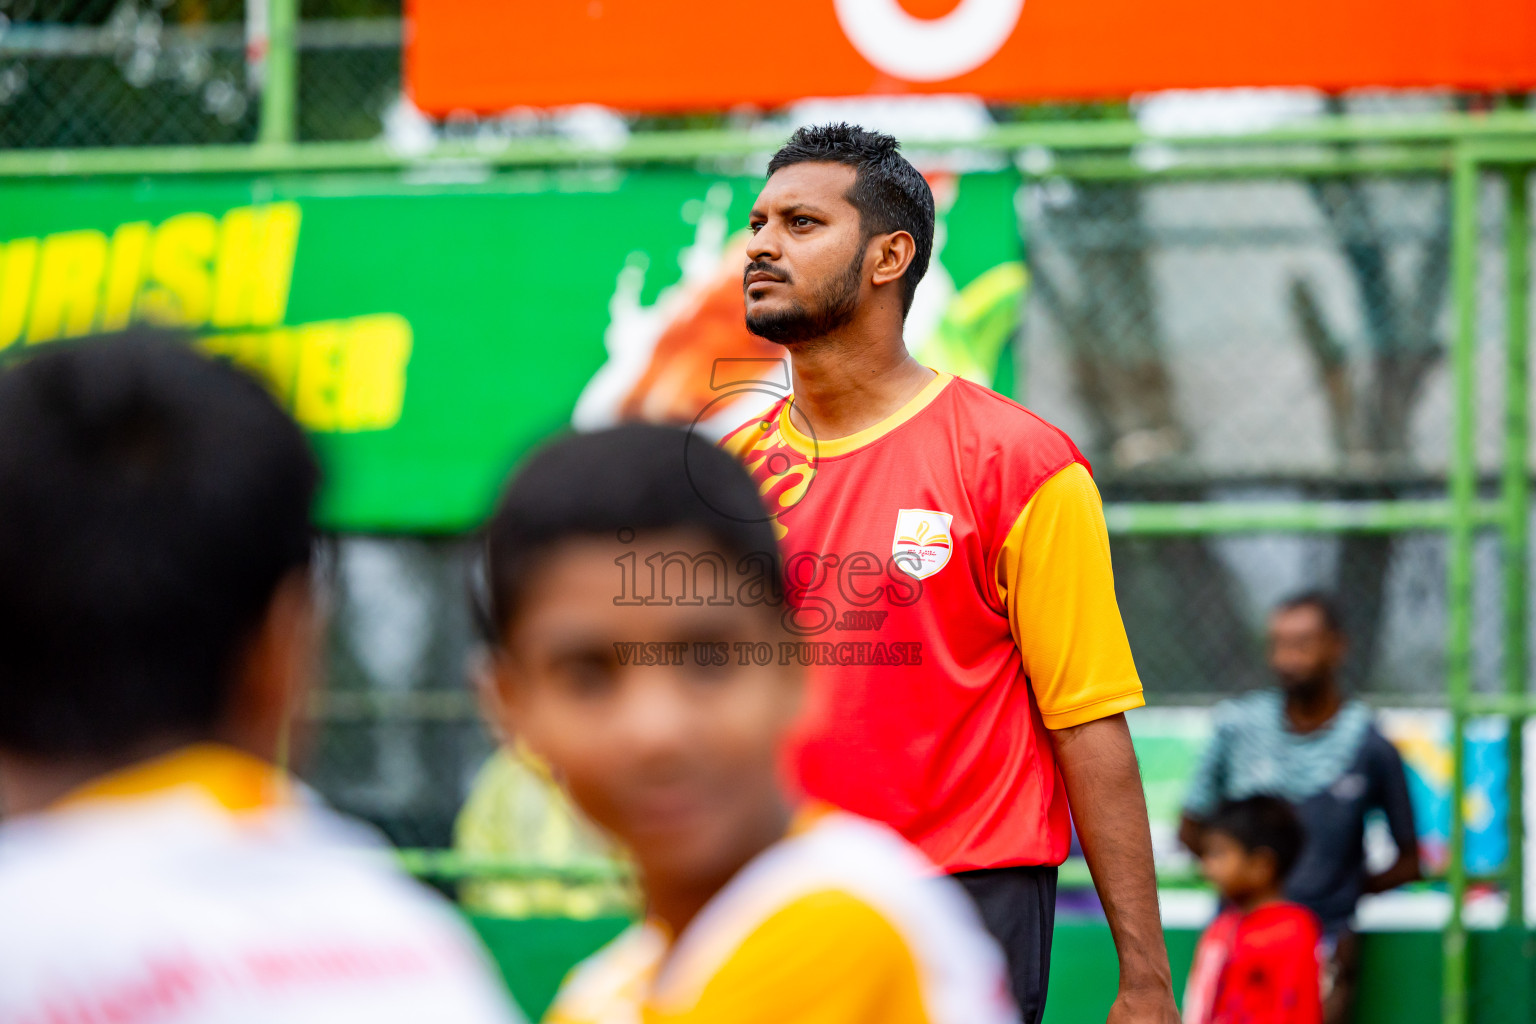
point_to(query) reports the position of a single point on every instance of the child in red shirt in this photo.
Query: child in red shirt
(1258, 962)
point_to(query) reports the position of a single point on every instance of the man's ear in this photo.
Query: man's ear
(893, 256)
(276, 671)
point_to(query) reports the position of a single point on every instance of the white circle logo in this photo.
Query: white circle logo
(928, 50)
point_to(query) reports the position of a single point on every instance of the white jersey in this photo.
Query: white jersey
(169, 907)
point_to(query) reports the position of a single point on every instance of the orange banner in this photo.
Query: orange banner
(657, 55)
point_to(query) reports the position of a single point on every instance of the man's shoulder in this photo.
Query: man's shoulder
(104, 892)
(1000, 420)
(185, 860)
(1256, 710)
(1005, 453)
(1376, 750)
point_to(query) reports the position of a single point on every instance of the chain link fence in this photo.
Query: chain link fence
(92, 73)
(1268, 337)
(395, 736)
(1266, 340)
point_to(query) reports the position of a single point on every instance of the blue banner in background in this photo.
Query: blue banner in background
(1424, 740)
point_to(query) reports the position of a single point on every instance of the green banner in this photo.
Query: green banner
(427, 332)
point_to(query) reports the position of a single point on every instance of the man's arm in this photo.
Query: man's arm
(1392, 789)
(1403, 870)
(1057, 585)
(1104, 790)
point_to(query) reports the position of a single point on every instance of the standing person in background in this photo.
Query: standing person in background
(516, 810)
(1307, 742)
(949, 578)
(157, 627)
(1257, 962)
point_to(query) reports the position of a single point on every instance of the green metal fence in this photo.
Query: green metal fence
(299, 114)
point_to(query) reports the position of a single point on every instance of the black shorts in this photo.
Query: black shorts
(1018, 906)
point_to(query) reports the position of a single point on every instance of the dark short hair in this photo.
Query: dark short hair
(888, 192)
(1262, 823)
(151, 501)
(635, 477)
(1325, 603)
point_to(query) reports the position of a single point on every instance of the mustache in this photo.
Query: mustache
(767, 268)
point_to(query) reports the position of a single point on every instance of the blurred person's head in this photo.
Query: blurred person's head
(648, 708)
(155, 540)
(842, 229)
(1249, 847)
(1306, 642)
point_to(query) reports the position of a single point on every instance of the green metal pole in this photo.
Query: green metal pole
(278, 128)
(1463, 487)
(1516, 502)
(280, 86)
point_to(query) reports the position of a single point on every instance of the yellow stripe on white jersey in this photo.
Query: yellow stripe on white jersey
(839, 923)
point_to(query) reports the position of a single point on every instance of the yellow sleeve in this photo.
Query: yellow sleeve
(827, 958)
(1055, 580)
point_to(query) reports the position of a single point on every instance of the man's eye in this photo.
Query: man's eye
(756, 226)
(801, 222)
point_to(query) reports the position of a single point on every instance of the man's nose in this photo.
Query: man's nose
(764, 245)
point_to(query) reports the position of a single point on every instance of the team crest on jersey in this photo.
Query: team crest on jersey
(922, 543)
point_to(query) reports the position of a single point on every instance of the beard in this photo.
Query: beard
(1304, 685)
(830, 306)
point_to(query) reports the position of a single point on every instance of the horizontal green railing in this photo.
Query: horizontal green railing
(1398, 144)
(451, 866)
(1174, 518)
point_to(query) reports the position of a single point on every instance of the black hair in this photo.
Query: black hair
(1262, 823)
(888, 192)
(1324, 602)
(151, 501)
(627, 479)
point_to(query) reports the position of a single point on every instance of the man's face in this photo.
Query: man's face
(677, 759)
(1303, 651)
(804, 275)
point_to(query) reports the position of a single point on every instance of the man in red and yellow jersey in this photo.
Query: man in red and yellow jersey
(949, 578)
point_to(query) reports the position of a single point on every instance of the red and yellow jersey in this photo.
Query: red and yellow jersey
(949, 583)
(840, 922)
